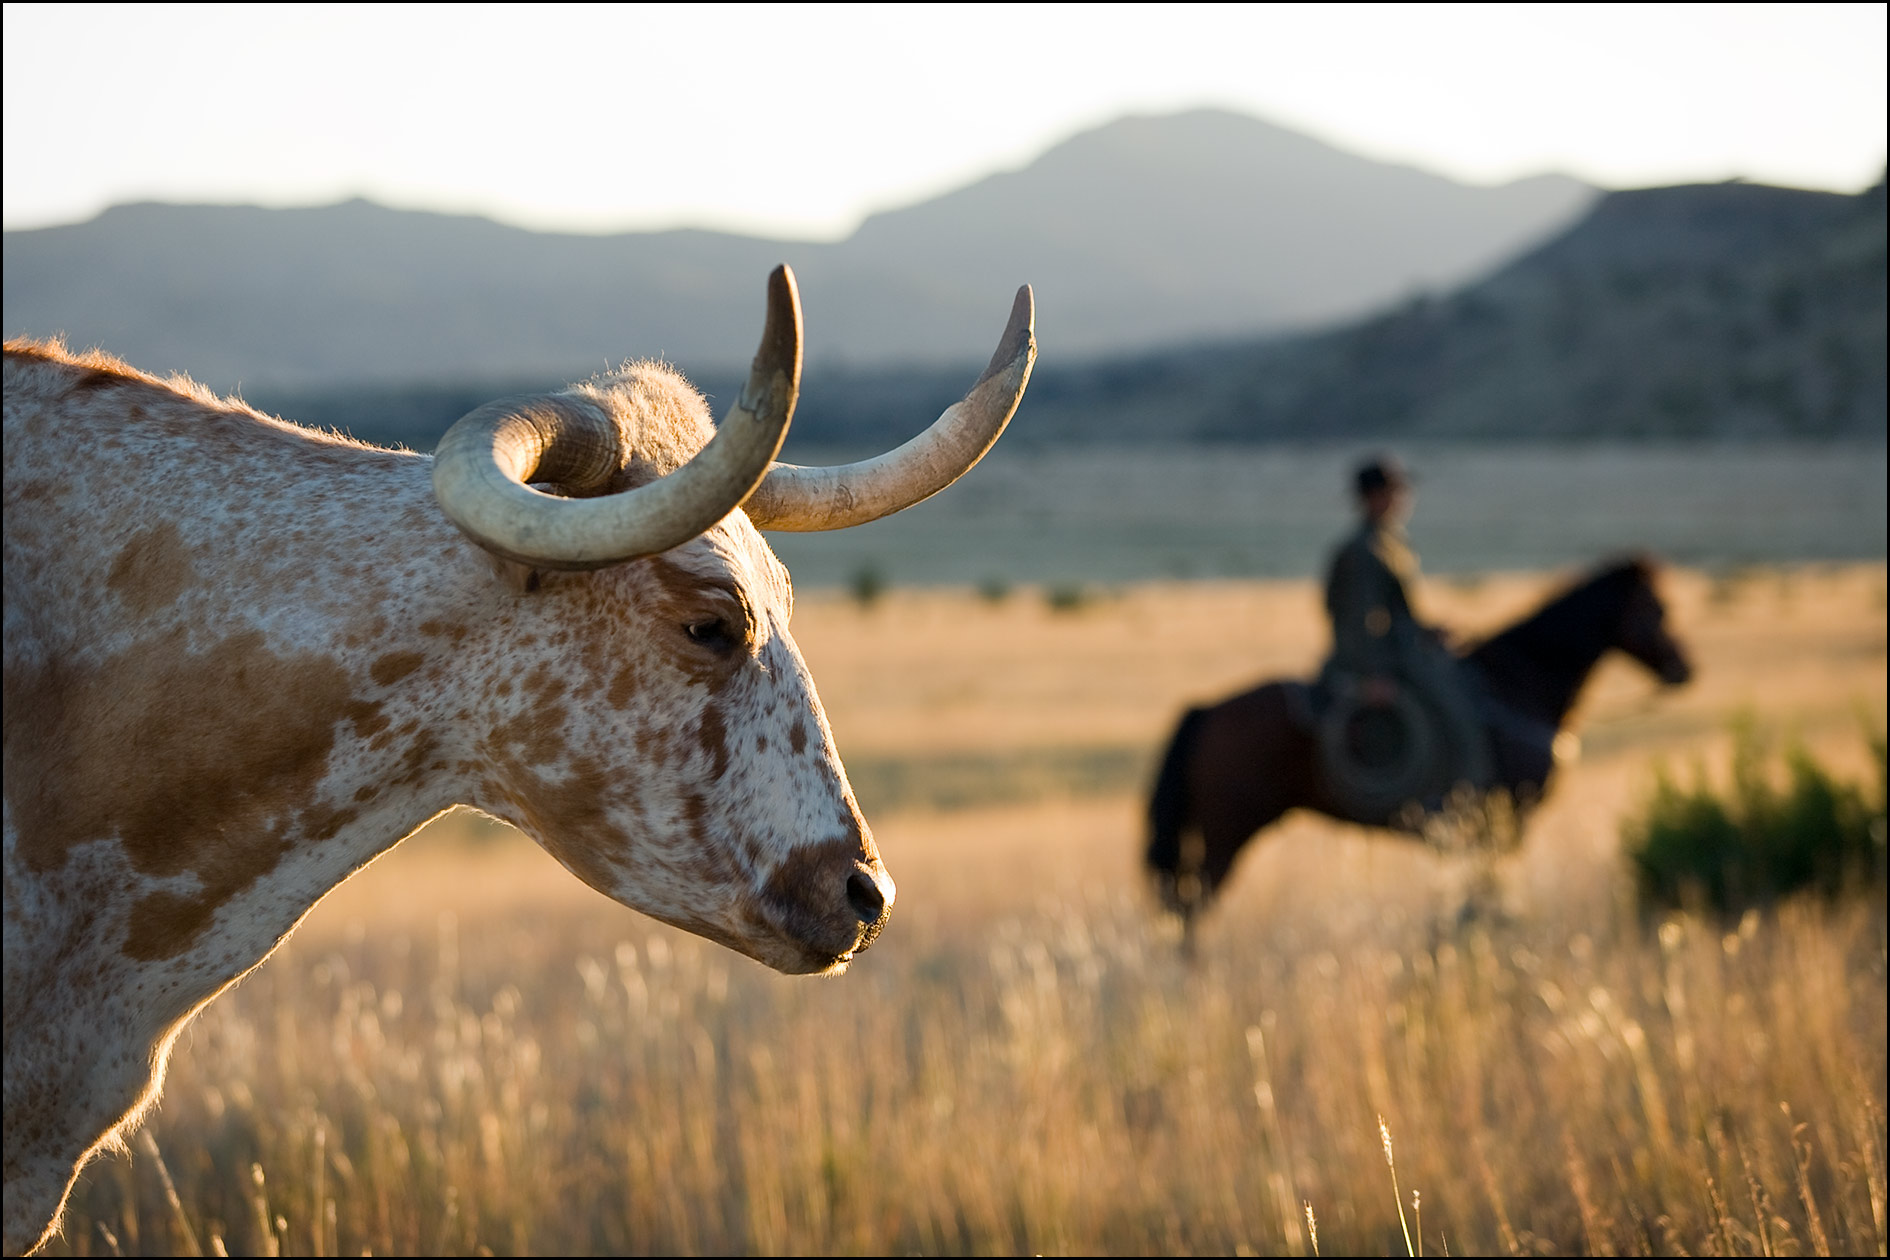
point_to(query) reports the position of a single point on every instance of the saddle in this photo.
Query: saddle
(1380, 757)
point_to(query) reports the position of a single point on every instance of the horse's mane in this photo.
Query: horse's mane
(1560, 641)
(1575, 611)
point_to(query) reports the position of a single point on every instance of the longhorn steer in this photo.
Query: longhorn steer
(244, 659)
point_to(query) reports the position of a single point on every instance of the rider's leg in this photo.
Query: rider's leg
(1448, 686)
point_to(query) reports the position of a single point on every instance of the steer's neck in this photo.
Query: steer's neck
(385, 774)
(380, 716)
(278, 715)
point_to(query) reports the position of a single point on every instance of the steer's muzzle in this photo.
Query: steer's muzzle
(830, 899)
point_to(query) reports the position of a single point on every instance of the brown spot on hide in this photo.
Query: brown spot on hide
(152, 570)
(198, 763)
(160, 918)
(706, 861)
(94, 381)
(418, 760)
(797, 736)
(712, 734)
(571, 818)
(533, 738)
(450, 629)
(695, 809)
(623, 686)
(545, 684)
(322, 823)
(368, 719)
(395, 666)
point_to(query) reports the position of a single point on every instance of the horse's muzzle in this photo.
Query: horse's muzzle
(1676, 670)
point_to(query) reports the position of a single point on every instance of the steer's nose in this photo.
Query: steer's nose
(869, 891)
(831, 897)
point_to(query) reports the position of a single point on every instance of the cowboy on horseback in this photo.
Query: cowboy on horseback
(1232, 768)
(1384, 660)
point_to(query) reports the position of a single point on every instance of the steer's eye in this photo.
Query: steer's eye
(713, 633)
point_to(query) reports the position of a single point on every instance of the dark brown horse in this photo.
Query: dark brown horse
(1234, 767)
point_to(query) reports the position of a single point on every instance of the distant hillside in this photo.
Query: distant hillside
(1141, 233)
(1726, 311)
(1160, 230)
(1723, 311)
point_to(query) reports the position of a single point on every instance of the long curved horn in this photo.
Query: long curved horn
(796, 498)
(482, 464)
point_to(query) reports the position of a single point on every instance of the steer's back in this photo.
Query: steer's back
(135, 505)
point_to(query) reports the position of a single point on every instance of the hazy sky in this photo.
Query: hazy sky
(797, 121)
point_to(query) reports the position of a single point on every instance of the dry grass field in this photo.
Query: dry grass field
(464, 1050)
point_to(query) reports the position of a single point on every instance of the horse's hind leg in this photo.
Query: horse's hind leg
(1224, 840)
(1248, 767)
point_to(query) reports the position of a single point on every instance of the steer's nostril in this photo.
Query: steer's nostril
(864, 896)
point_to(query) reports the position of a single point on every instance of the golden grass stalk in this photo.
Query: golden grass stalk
(1801, 1161)
(259, 1204)
(1384, 1132)
(186, 1237)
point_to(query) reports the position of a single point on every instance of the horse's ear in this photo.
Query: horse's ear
(1642, 565)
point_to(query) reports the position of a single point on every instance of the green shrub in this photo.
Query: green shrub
(1784, 824)
(1066, 597)
(868, 584)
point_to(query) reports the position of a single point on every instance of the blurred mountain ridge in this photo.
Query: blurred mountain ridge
(1720, 311)
(1144, 232)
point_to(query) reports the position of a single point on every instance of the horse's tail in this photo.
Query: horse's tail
(1168, 803)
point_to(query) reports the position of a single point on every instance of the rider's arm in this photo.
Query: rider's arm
(1361, 603)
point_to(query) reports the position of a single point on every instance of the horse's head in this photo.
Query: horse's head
(1642, 629)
